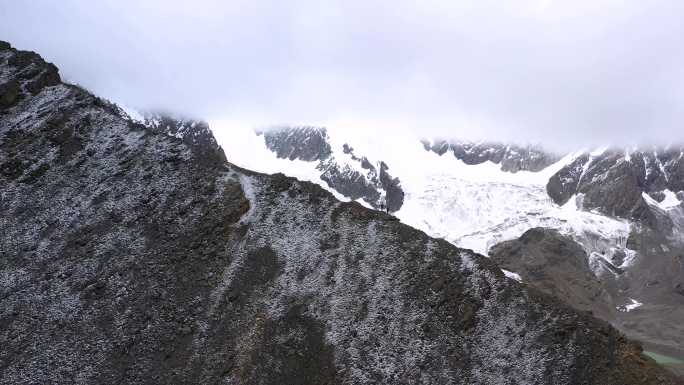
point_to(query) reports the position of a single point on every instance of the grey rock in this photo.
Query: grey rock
(512, 158)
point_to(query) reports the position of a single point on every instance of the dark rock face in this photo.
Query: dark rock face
(511, 158)
(376, 186)
(303, 143)
(563, 185)
(128, 258)
(394, 195)
(23, 74)
(613, 182)
(556, 265)
(370, 182)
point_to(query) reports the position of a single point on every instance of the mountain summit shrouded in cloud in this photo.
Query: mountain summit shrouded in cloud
(575, 73)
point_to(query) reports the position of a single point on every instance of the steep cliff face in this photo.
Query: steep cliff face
(130, 257)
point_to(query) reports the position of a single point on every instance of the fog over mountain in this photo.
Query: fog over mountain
(565, 74)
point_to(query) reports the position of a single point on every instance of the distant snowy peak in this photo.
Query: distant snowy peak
(512, 158)
(613, 181)
(351, 175)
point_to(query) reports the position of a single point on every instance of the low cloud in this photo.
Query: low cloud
(561, 73)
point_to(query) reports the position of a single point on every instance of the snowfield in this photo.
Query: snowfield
(471, 206)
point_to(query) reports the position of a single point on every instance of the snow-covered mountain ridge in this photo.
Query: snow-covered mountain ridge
(622, 207)
(471, 205)
(624, 210)
(513, 158)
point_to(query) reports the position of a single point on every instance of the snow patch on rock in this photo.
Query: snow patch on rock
(512, 275)
(633, 304)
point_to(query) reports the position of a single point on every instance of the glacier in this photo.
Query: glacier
(471, 206)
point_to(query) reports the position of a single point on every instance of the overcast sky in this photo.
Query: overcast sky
(566, 73)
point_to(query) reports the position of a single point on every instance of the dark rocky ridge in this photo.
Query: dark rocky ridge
(612, 182)
(127, 257)
(311, 144)
(512, 158)
(556, 265)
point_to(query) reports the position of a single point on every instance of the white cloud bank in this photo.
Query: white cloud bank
(564, 73)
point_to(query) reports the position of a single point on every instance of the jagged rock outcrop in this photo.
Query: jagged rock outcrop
(352, 176)
(374, 185)
(30, 75)
(129, 258)
(557, 265)
(613, 181)
(511, 158)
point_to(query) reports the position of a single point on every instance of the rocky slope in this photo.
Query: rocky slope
(636, 288)
(559, 266)
(130, 256)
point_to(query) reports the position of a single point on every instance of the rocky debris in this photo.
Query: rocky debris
(556, 265)
(613, 181)
(127, 258)
(512, 158)
(353, 176)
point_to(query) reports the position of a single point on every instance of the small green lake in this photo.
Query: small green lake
(663, 359)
